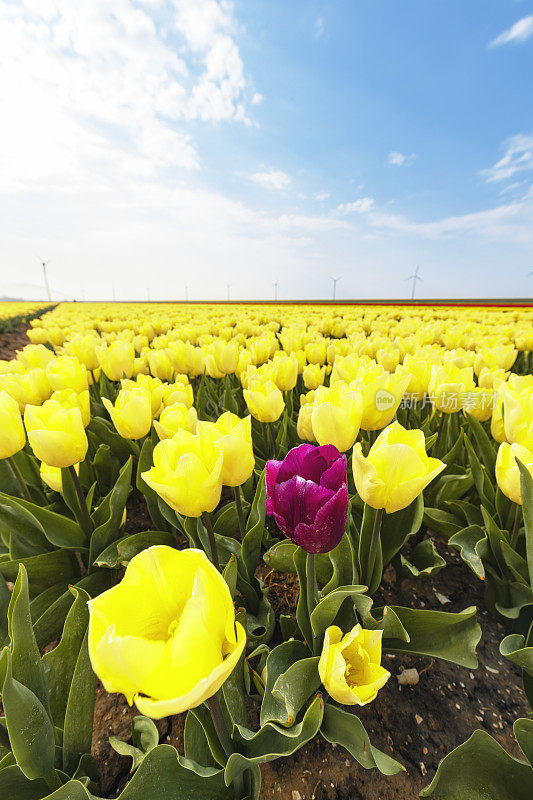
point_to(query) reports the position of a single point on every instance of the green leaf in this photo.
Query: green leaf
(466, 541)
(279, 660)
(195, 742)
(251, 543)
(452, 487)
(423, 560)
(526, 489)
(484, 485)
(145, 737)
(483, 443)
(58, 529)
(78, 730)
(271, 741)
(480, 769)
(60, 663)
(296, 685)
(108, 516)
(514, 648)
(342, 563)
(441, 634)
(441, 522)
(229, 574)
(396, 528)
(176, 777)
(123, 550)
(43, 570)
(346, 729)
(14, 785)
(325, 612)
(281, 558)
(373, 580)
(31, 733)
(523, 731)
(302, 612)
(26, 663)
(5, 597)
(151, 497)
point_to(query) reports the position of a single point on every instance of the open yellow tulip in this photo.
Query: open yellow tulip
(507, 471)
(233, 436)
(396, 469)
(350, 665)
(166, 636)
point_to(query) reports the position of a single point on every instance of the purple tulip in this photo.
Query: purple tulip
(308, 497)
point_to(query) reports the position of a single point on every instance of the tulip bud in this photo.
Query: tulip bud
(35, 355)
(304, 426)
(507, 471)
(396, 470)
(336, 415)
(174, 418)
(264, 400)
(56, 434)
(52, 476)
(116, 359)
(286, 372)
(313, 376)
(132, 412)
(307, 495)
(517, 414)
(233, 436)
(69, 399)
(12, 434)
(187, 473)
(178, 392)
(66, 372)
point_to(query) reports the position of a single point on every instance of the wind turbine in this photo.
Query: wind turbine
(335, 280)
(276, 284)
(46, 284)
(414, 277)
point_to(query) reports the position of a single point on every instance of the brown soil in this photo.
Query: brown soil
(417, 725)
(11, 341)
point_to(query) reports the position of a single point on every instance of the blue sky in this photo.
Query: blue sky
(152, 144)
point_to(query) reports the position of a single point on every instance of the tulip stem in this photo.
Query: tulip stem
(374, 539)
(272, 439)
(516, 527)
(240, 513)
(20, 480)
(87, 524)
(224, 738)
(439, 432)
(206, 519)
(312, 596)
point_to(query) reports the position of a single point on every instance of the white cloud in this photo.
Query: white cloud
(517, 33)
(319, 28)
(518, 157)
(400, 159)
(272, 179)
(320, 196)
(361, 206)
(84, 84)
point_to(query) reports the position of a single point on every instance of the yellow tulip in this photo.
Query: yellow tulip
(131, 413)
(316, 352)
(70, 399)
(233, 436)
(396, 470)
(52, 476)
(116, 359)
(286, 372)
(350, 665)
(12, 434)
(491, 379)
(304, 426)
(178, 392)
(66, 372)
(174, 418)
(517, 413)
(160, 365)
(448, 386)
(479, 402)
(31, 388)
(497, 428)
(264, 400)
(389, 358)
(187, 473)
(56, 434)
(221, 359)
(507, 471)
(35, 355)
(154, 386)
(419, 370)
(313, 376)
(382, 394)
(83, 348)
(502, 357)
(166, 636)
(336, 415)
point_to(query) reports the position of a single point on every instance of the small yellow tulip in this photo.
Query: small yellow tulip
(313, 376)
(517, 413)
(154, 386)
(12, 434)
(187, 473)
(56, 434)
(233, 436)
(35, 355)
(52, 476)
(174, 418)
(166, 636)
(507, 471)
(264, 400)
(286, 373)
(131, 413)
(221, 359)
(83, 348)
(70, 399)
(116, 359)
(336, 415)
(479, 402)
(382, 394)
(160, 365)
(396, 470)
(178, 392)
(304, 426)
(448, 386)
(350, 665)
(66, 372)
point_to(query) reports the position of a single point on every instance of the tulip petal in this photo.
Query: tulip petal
(297, 462)
(328, 526)
(298, 500)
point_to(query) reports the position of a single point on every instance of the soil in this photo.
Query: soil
(418, 725)
(11, 341)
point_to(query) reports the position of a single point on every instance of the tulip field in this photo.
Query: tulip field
(252, 551)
